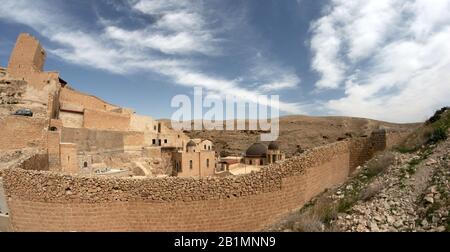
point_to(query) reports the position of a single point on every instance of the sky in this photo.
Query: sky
(381, 59)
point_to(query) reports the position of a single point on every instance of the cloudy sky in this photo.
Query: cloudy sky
(381, 59)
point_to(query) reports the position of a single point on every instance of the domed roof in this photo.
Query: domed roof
(191, 144)
(256, 150)
(274, 146)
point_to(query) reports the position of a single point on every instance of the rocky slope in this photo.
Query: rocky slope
(413, 196)
(401, 190)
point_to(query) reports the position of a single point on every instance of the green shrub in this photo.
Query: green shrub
(437, 115)
(437, 135)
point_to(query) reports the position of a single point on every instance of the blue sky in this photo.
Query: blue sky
(381, 59)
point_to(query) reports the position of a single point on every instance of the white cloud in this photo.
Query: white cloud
(162, 6)
(160, 48)
(179, 43)
(390, 57)
(289, 81)
(326, 45)
(269, 75)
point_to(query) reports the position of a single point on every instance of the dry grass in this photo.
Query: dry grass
(434, 130)
(379, 164)
(308, 224)
(314, 218)
(369, 192)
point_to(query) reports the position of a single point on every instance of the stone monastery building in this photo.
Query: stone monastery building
(80, 133)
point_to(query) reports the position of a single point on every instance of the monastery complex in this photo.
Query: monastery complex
(73, 162)
(82, 134)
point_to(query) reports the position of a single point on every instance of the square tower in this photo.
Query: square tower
(27, 57)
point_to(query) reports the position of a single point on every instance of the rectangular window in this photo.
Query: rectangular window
(154, 141)
(165, 140)
(204, 147)
(159, 142)
(190, 164)
(207, 163)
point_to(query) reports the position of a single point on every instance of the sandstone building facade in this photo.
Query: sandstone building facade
(84, 134)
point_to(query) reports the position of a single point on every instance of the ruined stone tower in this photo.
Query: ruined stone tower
(27, 57)
(27, 63)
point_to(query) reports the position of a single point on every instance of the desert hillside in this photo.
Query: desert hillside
(297, 133)
(405, 189)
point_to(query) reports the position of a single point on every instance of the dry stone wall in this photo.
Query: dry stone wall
(42, 200)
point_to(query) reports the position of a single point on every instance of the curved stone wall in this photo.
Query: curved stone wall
(48, 201)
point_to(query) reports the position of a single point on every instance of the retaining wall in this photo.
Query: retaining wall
(48, 201)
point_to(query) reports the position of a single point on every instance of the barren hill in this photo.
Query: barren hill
(297, 132)
(405, 189)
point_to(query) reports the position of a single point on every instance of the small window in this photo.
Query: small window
(209, 147)
(190, 164)
(178, 136)
(261, 162)
(204, 146)
(154, 141)
(85, 164)
(159, 142)
(165, 140)
(207, 163)
(154, 127)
